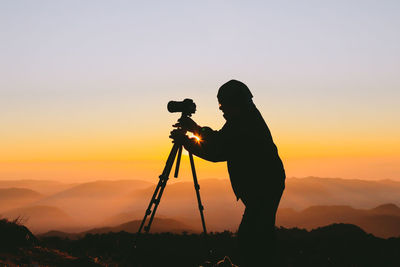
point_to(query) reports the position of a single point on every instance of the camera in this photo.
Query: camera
(187, 106)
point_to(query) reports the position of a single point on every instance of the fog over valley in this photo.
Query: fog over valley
(102, 206)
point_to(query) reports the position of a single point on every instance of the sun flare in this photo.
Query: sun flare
(191, 135)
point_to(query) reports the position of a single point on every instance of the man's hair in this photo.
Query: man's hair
(234, 92)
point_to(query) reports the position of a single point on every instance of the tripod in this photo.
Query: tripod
(176, 152)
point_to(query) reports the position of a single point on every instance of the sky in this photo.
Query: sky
(84, 84)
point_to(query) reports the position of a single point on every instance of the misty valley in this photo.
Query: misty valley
(48, 207)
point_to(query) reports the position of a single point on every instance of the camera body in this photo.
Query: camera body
(187, 107)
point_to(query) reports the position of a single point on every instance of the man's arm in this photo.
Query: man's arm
(210, 147)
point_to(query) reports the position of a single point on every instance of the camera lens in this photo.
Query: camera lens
(186, 106)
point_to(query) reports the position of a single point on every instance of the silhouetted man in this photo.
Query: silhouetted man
(255, 169)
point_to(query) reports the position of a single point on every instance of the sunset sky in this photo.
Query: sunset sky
(84, 84)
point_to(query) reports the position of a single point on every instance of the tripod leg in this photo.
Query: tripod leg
(159, 190)
(197, 187)
(152, 201)
(178, 161)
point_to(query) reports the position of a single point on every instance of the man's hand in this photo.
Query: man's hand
(187, 124)
(179, 136)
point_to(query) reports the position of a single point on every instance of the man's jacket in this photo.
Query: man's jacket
(245, 142)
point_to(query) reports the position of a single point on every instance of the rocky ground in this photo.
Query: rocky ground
(334, 245)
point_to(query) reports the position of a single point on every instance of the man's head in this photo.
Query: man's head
(234, 97)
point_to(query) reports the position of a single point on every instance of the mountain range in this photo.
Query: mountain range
(382, 221)
(11, 198)
(307, 202)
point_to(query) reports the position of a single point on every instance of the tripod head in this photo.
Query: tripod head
(187, 107)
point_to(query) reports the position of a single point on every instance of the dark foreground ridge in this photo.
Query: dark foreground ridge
(19, 247)
(334, 245)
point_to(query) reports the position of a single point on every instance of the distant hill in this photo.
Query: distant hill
(159, 225)
(301, 193)
(11, 198)
(382, 221)
(386, 209)
(41, 218)
(102, 189)
(124, 217)
(93, 202)
(42, 186)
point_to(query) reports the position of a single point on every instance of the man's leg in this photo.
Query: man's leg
(256, 233)
(245, 233)
(256, 237)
